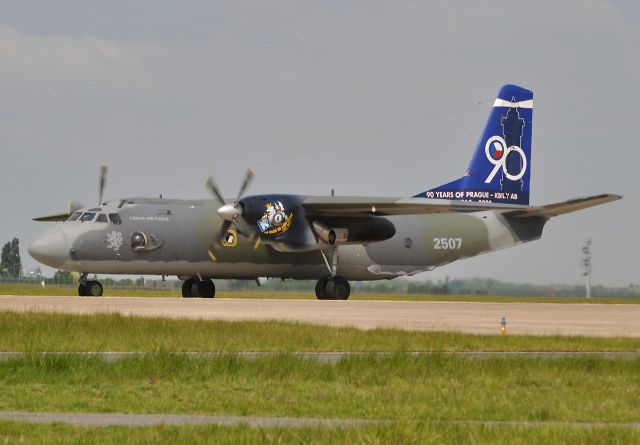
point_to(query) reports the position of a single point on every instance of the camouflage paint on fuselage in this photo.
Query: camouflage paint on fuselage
(185, 229)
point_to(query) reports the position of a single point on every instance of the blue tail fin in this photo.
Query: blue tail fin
(501, 165)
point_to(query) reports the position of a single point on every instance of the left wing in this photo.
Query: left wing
(50, 218)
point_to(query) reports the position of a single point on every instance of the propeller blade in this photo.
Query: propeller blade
(248, 177)
(223, 229)
(103, 182)
(213, 188)
(217, 241)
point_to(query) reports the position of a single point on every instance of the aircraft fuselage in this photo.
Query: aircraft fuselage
(178, 234)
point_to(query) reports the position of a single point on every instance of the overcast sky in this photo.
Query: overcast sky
(367, 97)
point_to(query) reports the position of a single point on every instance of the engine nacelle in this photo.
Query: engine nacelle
(329, 235)
(353, 230)
(279, 220)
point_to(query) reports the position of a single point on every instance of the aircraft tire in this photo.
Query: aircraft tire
(320, 288)
(82, 291)
(187, 288)
(337, 288)
(206, 289)
(93, 289)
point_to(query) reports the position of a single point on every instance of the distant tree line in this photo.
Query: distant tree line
(10, 264)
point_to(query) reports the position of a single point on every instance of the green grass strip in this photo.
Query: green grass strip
(399, 388)
(401, 433)
(113, 332)
(53, 290)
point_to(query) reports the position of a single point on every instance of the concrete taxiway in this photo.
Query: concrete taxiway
(601, 320)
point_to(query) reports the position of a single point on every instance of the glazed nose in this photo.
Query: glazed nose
(50, 248)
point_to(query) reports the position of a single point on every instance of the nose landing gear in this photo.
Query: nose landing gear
(336, 288)
(89, 288)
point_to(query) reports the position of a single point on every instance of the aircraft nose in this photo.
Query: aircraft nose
(50, 248)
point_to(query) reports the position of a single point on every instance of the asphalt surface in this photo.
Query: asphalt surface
(600, 320)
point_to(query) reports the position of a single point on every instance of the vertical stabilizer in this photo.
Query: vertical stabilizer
(500, 168)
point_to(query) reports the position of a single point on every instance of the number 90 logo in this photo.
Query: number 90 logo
(497, 151)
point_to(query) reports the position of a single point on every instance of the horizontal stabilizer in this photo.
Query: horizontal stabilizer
(561, 208)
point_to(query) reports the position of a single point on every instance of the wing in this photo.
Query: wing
(363, 206)
(49, 218)
(560, 208)
(73, 207)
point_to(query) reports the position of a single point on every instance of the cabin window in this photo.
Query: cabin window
(75, 216)
(102, 218)
(87, 216)
(115, 218)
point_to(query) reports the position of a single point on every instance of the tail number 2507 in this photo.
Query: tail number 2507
(447, 243)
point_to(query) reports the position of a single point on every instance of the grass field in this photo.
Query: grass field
(401, 433)
(114, 332)
(422, 396)
(52, 290)
(425, 398)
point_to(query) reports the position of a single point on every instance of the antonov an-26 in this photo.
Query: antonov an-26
(331, 239)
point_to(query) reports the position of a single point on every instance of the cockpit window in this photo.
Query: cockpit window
(114, 218)
(102, 218)
(75, 216)
(87, 216)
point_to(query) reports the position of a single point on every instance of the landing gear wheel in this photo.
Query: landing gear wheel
(337, 288)
(90, 289)
(320, 285)
(187, 288)
(206, 289)
(193, 288)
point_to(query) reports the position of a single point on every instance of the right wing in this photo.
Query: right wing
(560, 208)
(367, 206)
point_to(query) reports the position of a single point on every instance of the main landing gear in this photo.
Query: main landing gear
(336, 288)
(89, 288)
(195, 288)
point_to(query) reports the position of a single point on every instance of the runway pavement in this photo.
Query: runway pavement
(602, 320)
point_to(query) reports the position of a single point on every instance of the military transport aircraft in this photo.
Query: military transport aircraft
(331, 239)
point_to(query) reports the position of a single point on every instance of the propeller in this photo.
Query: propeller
(229, 212)
(103, 181)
